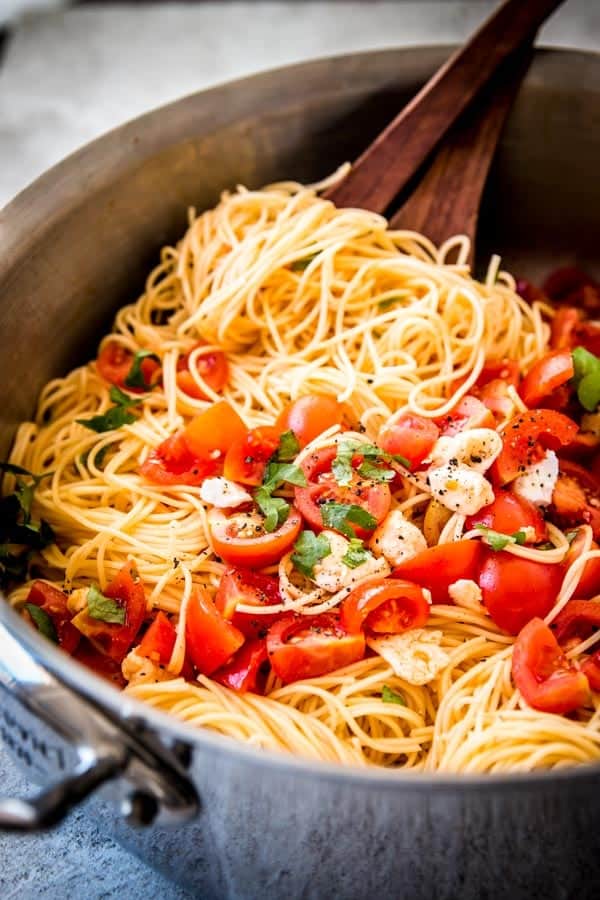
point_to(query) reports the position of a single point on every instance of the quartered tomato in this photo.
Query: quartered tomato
(247, 670)
(159, 640)
(247, 458)
(372, 496)
(210, 639)
(579, 617)
(543, 674)
(469, 412)
(241, 540)
(310, 416)
(589, 582)
(114, 365)
(546, 378)
(308, 646)
(526, 437)
(211, 366)
(386, 606)
(113, 639)
(251, 589)
(516, 590)
(576, 497)
(439, 567)
(509, 513)
(410, 436)
(54, 603)
(210, 434)
(172, 462)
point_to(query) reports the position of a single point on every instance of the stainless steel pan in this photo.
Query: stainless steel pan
(219, 817)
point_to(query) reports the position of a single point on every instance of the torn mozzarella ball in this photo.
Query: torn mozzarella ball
(397, 539)
(465, 592)
(223, 494)
(539, 480)
(415, 656)
(141, 670)
(331, 574)
(460, 488)
(476, 448)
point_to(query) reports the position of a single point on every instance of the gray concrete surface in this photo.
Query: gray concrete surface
(66, 77)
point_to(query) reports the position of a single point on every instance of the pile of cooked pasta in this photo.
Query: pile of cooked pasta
(304, 299)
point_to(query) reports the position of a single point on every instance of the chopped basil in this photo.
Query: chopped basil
(356, 554)
(375, 473)
(104, 608)
(342, 464)
(42, 621)
(387, 303)
(277, 474)
(135, 377)
(96, 456)
(274, 509)
(299, 265)
(498, 541)
(571, 535)
(308, 550)
(19, 536)
(586, 378)
(339, 516)
(390, 696)
(115, 417)
(371, 453)
(288, 447)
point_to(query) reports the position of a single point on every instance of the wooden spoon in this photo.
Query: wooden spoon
(394, 160)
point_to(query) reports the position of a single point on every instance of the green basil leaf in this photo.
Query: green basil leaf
(356, 554)
(274, 509)
(390, 696)
(288, 447)
(342, 464)
(135, 376)
(113, 418)
(339, 516)
(586, 378)
(498, 541)
(105, 609)
(308, 550)
(397, 457)
(15, 470)
(376, 473)
(299, 265)
(387, 303)
(277, 474)
(122, 399)
(42, 621)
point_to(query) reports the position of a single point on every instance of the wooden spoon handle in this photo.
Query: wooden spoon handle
(394, 157)
(447, 198)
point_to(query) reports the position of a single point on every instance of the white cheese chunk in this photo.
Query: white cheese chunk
(415, 656)
(397, 539)
(331, 574)
(141, 670)
(475, 447)
(223, 494)
(537, 483)
(465, 592)
(460, 488)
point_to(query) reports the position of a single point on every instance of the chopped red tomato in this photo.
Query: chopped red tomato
(516, 590)
(98, 662)
(210, 434)
(54, 603)
(241, 540)
(172, 462)
(576, 497)
(563, 332)
(251, 589)
(212, 368)
(543, 674)
(310, 416)
(210, 639)
(579, 617)
(114, 365)
(410, 436)
(439, 567)
(158, 642)
(386, 606)
(372, 496)
(114, 639)
(469, 412)
(509, 513)
(247, 670)
(247, 458)
(506, 370)
(309, 646)
(525, 438)
(589, 582)
(495, 396)
(546, 376)
(570, 285)
(591, 670)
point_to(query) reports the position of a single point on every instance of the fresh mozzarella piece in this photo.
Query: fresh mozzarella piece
(465, 592)
(331, 574)
(460, 488)
(77, 600)
(475, 447)
(223, 494)
(397, 539)
(415, 656)
(539, 480)
(141, 670)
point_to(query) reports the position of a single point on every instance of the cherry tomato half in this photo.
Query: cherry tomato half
(114, 365)
(579, 617)
(548, 374)
(576, 497)
(247, 670)
(247, 458)
(210, 639)
(410, 436)
(372, 496)
(241, 540)
(54, 603)
(310, 416)
(210, 434)
(589, 582)
(524, 440)
(172, 462)
(509, 513)
(309, 646)
(516, 590)
(439, 567)
(469, 412)
(543, 674)
(159, 640)
(252, 589)
(212, 368)
(386, 606)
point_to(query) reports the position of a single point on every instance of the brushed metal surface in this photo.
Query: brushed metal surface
(76, 245)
